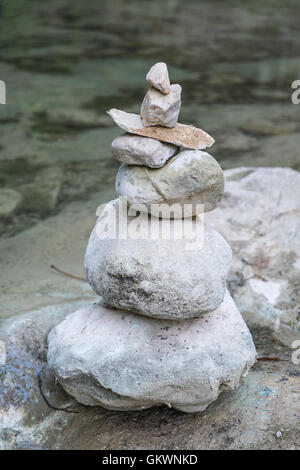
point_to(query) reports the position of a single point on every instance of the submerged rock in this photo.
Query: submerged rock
(122, 361)
(180, 135)
(158, 77)
(191, 178)
(10, 200)
(137, 268)
(42, 195)
(137, 150)
(161, 110)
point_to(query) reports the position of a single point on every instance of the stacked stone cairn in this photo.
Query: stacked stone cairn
(166, 330)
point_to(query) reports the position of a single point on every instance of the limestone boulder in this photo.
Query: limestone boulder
(174, 269)
(260, 216)
(123, 361)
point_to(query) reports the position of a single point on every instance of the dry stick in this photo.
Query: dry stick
(46, 400)
(68, 274)
(267, 358)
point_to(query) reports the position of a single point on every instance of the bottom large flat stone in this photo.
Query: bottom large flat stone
(122, 361)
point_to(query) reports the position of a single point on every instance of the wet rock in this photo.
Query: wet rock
(225, 79)
(158, 77)
(10, 201)
(175, 275)
(41, 196)
(191, 178)
(67, 120)
(123, 361)
(259, 216)
(161, 110)
(180, 135)
(24, 414)
(137, 150)
(237, 142)
(269, 128)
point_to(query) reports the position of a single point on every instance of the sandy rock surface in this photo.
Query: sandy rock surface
(180, 135)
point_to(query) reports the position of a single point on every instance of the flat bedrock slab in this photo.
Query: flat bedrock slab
(161, 110)
(192, 180)
(122, 361)
(137, 150)
(158, 77)
(180, 135)
(259, 215)
(158, 277)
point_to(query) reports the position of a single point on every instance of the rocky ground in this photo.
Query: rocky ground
(263, 413)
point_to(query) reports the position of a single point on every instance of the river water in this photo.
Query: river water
(66, 62)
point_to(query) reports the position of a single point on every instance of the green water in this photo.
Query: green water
(65, 62)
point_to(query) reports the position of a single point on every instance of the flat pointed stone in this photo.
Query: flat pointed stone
(158, 77)
(181, 135)
(161, 110)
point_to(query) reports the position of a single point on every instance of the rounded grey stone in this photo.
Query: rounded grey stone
(174, 278)
(192, 178)
(138, 150)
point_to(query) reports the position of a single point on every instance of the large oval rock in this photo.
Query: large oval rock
(191, 178)
(144, 268)
(138, 150)
(123, 361)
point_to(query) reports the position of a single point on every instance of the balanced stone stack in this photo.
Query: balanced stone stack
(166, 330)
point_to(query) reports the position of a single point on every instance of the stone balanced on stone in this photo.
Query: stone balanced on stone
(166, 330)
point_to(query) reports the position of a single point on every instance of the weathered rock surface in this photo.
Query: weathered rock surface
(122, 361)
(192, 178)
(162, 278)
(161, 110)
(259, 215)
(180, 135)
(158, 77)
(137, 150)
(10, 200)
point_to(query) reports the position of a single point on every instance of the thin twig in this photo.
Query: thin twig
(46, 400)
(268, 358)
(68, 274)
